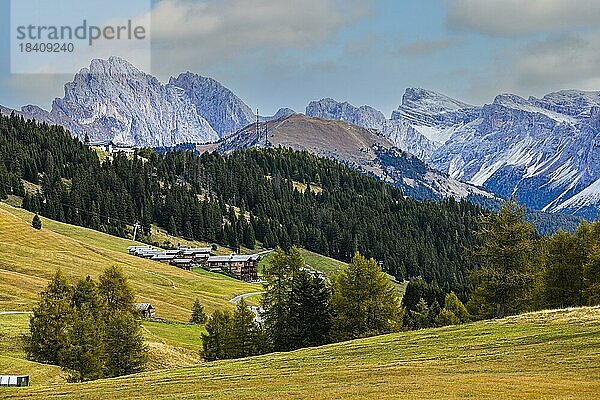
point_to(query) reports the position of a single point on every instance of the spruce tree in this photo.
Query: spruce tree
(216, 342)
(125, 351)
(48, 333)
(364, 301)
(36, 222)
(198, 314)
(508, 256)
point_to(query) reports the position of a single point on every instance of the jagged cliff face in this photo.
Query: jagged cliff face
(364, 116)
(223, 110)
(112, 100)
(544, 151)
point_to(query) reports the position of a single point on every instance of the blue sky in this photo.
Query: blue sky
(278, 53)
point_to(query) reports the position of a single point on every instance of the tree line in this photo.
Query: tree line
(302, 310)
(521, 271)
(246, 197)
(90, 329)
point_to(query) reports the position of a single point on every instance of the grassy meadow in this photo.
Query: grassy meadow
(545, 355)
(28, 258)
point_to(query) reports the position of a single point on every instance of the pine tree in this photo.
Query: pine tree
(115, 291)
(216, 343)
(279, 275)
(564, 262)
(125, 351)
(36, 222)
(48, 325)
(508, 257)
(591, 277)
(244, 340)
(198, 315)
(310, 314)
(83, 357)
(363, 301)
(453, 304)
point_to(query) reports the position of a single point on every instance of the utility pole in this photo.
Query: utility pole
(135, 229)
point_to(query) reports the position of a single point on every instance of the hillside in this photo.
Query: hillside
(355, 146)
(30, 257)
(546, 355)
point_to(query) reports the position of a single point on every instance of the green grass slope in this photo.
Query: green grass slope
(547, 355)
(28, 258)
(12, 356)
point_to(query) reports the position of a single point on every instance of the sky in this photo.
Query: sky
(286, 53)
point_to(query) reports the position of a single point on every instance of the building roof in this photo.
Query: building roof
(234, 258)
(144, 307)
(163, 256)
(182, 261)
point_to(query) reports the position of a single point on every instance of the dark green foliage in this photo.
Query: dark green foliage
(296, 302)
(116, 293)
(232, 335)
(48, 326)
(279, 275)
(191, 195)
(82, 358)
(509, 255)
(125, 352)
(36, 222)
(310, 314)
(522, 272)
(90, 330)
(363, 301)
(564, 260)
(198, 314)
(216, 343)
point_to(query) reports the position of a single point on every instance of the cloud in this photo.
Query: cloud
(562, 61)
(569, 60)
(506, 18)
(361, 46)
(420, 48)
(196, 33)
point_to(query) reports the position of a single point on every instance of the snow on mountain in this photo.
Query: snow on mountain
(544, 151)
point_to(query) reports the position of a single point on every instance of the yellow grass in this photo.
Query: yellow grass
(28, 258)
(548, 355)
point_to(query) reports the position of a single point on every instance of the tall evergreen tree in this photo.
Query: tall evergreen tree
(364, 301)
(48, 325)
(564, 262)
(216, 343)
(310, 313)
(508, 257)
(279, 275)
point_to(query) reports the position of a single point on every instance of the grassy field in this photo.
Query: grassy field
(317, 262)
(29, 257)
(547, 355)
(12, 357)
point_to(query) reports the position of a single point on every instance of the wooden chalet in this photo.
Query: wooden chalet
(244, 267)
